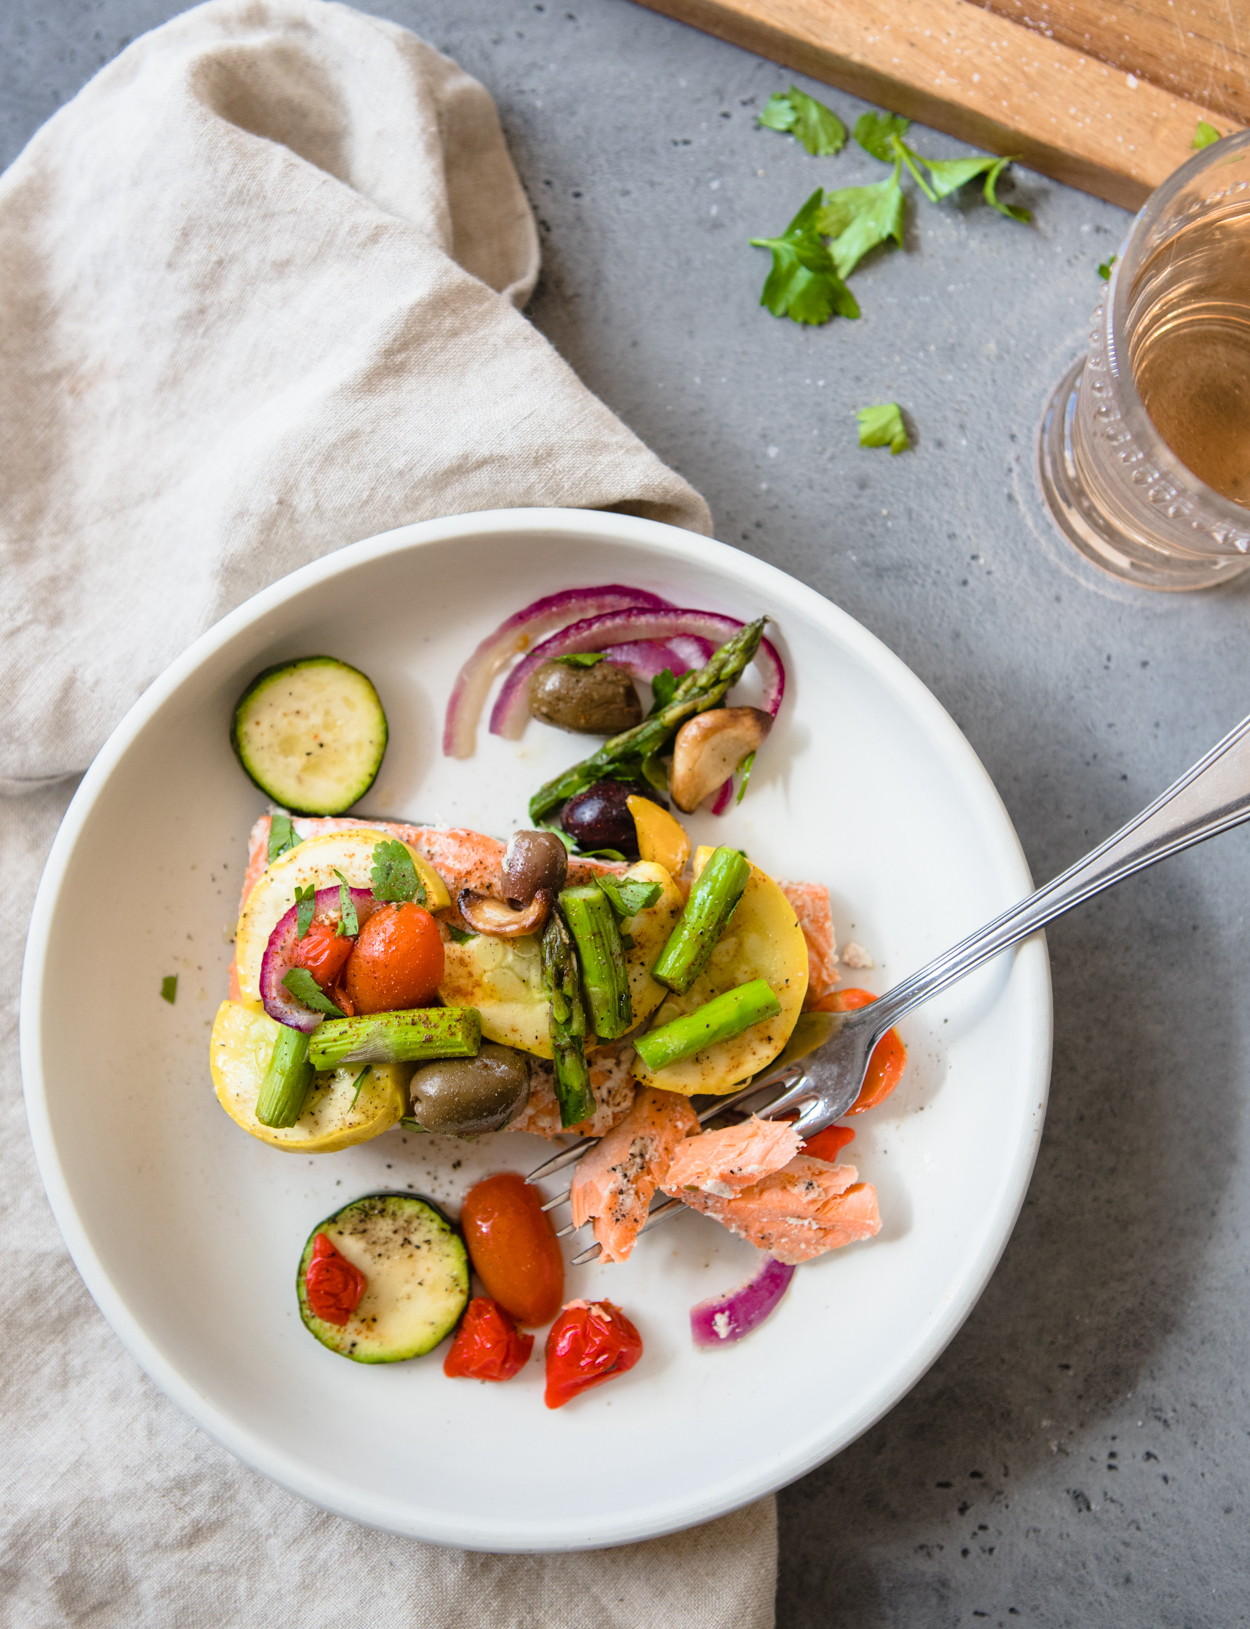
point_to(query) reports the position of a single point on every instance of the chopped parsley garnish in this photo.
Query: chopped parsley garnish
(875, 133)
(804, 284)
(811, 122)
(744, 769)
(859, 218)
(282, 837)
(394, 877)
(349, 923)
(459, 936)
(1104, 270)
(304, 987)
(1204, 135)
(360, 1080)
(582, 658)
(663, 689)
(883, 427)
(627, 897)
(169, 989)
(601, 854)
(654, 773)
(305, 908)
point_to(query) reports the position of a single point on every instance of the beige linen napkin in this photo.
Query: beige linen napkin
(258, 291)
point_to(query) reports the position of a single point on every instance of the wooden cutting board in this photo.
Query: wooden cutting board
(1103, 94)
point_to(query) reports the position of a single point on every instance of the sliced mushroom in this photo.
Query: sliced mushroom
(493, 916)
(709, 747)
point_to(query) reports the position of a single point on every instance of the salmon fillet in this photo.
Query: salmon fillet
(810, 901)
(724, 1162)
(615, 1182)
(798, 1212)
(611, 1082)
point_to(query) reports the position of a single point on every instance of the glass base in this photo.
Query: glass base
(1087, 530)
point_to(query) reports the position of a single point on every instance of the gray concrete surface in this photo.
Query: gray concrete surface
(1079, 1454)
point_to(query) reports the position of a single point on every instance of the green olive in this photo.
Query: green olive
(598, 700)
(463, 1097)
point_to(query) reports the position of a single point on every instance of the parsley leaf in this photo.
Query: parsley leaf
(991, 181)
(581, 658)
(804, 284)
(1104, 270)
(859, 218)
(304, 987)
(360, 1080)
(169, 988)
(744, 769)
(654, 773)
(348, 921)
(282, 837)
(815, 125)
(458, 935)
(947, 175)
(305, 908)
(883, 427)
(627, 896)
(1204, 135)
(602, 854)
(394, 878)
(663, 689)
(875, 132)
(558, 829)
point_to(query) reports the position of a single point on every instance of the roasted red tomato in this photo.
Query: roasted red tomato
(889, 1058)
(333, 1284)
(397, 962)
(590, 1342)
(513, 1247)
(323, 952)
(488, 1345)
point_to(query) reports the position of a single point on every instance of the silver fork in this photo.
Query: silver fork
(1210, 798)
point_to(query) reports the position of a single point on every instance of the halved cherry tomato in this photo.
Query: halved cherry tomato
(333, 1285)
(590, 1342)
(828, 1144)
(513, 1247)
(889, 1057)
(323, 952)
(397, 962)
(488, 1345)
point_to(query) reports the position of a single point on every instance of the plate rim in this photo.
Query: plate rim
(1031, 966)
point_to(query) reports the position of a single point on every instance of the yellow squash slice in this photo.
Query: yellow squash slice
(335, 1116)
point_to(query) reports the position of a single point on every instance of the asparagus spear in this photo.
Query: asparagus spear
(716, 1020)
(697, 691)
(284, 1089)
(397, 1037)
(713, 900)
(567, 1023)
(604, 979)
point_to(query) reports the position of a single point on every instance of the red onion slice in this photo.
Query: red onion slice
(279, 957)
(718, 1322)
(510, 638)
(596, 633)
(644, 658)
(723, 796)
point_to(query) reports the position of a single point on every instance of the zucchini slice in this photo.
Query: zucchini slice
(310, 734)
(416, 1278)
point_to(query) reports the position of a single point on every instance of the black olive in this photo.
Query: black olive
(463, 1097)
(598, 700)
(599, 817)
(533, 860)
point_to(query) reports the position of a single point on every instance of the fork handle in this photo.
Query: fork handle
(1210, 798)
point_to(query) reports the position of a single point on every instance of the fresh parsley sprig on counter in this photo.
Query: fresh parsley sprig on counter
(881, 135)
(804, 283)
(809, 121)
(883, 427)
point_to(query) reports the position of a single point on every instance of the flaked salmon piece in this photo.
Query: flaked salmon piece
(810, 901)
(801, 1211)
(611, 1081)
(614, 1183)
(724, 1162)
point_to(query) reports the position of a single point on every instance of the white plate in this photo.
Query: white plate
(187, 1232)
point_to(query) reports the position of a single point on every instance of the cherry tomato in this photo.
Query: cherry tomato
(889, 1057)
(333, 1285)
(828, 1144)
(488, 1345)
(590, 1342)
(323, 952)
(513, 1247)
(397, 962)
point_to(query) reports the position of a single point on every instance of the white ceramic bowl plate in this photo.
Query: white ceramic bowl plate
(187, 1232)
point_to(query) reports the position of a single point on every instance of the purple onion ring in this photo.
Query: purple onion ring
(720, 1321)
(279, 957)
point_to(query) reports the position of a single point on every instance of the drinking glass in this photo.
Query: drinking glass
(1145, 447)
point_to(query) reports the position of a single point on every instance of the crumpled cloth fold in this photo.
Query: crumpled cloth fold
(259, 290)
(258, 299)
